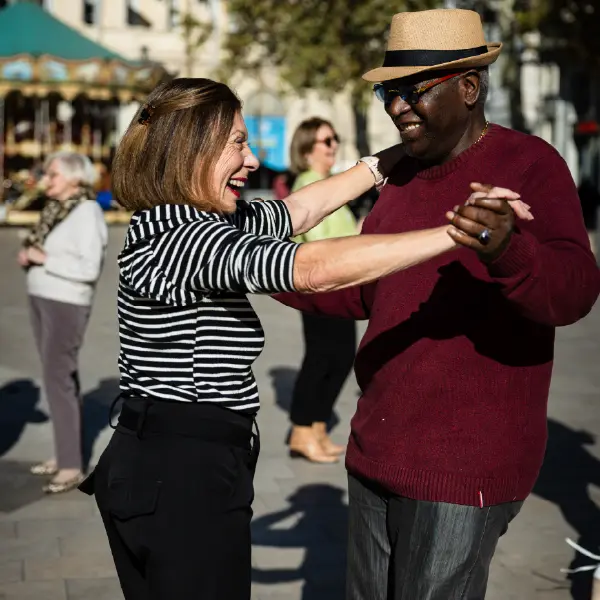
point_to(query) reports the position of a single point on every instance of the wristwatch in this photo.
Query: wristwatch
(373, 163)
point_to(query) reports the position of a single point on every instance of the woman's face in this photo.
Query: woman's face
(234, 165)
(322, 156)
(58, 187)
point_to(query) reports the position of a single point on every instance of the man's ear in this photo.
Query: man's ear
(470, 86)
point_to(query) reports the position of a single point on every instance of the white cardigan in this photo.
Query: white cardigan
(75, 251)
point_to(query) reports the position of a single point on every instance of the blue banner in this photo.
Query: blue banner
(267, 140)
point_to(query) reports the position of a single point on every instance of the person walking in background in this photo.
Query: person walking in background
(63, 256)
(329, 342)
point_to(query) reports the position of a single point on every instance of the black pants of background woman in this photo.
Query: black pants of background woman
(330, 346)
(175, 488)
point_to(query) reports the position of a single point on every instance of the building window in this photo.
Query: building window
(89, 11)
(134, 17)
(174, 16)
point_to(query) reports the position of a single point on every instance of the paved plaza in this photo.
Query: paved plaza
(53, 548)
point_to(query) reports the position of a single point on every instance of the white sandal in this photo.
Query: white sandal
(63, 486)
(45, 469)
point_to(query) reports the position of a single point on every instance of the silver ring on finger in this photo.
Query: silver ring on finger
(484, 237)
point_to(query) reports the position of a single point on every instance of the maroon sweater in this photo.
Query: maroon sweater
(456, 362)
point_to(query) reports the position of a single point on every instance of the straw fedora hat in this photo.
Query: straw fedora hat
(432, 40)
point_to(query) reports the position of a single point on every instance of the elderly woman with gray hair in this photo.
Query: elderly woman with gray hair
(63, 256)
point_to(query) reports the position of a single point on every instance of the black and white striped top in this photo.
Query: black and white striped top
(187, 330)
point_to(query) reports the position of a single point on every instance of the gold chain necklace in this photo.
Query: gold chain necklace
(487, 124)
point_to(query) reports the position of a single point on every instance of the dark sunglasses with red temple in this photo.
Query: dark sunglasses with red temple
(410, 94)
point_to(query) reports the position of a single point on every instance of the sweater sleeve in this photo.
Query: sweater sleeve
(82, 260)
(347, 303)
(548, 271)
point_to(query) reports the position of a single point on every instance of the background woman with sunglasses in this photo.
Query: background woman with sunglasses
(330, 343)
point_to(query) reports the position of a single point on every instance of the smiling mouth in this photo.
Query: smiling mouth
(408, 127)
(235, 185)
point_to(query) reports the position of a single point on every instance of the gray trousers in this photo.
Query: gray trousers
(403, 549)
(59, 328)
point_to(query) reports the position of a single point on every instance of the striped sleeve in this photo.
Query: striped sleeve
(215, 256)
(269, 217)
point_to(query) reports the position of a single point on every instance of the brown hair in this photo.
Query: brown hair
(303, 141)
(170, 157)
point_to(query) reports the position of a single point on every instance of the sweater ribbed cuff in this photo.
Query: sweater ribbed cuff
(517, 259)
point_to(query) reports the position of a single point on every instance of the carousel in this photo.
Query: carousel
(59, 90)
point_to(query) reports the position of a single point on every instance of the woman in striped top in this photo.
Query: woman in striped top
(174, 485)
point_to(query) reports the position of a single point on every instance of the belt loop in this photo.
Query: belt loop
(142, 419)
(111, 409)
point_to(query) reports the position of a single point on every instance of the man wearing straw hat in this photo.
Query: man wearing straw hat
(455, 366)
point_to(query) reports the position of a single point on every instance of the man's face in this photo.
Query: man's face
(430, 114)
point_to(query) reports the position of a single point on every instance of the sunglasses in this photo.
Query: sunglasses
(411, 95)
(328, 141)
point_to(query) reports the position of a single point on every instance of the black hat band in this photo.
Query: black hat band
(428, 58)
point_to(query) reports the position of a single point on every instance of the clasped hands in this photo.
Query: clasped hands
(485, 223)
(31, 256)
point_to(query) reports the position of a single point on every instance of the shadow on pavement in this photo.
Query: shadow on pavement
(566, 475)
(18, 407)
(96, 409)
(19, 487)
(319, 526)
(282, 381)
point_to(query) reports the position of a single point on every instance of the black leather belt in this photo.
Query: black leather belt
(210, 423)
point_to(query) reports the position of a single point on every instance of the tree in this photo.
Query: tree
(323, 45)
(569, 34)
(570, 28)
(195, 34)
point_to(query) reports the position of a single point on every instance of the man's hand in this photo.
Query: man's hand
(486, 222)
(481, 190)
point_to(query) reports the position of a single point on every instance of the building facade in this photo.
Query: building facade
(151, 30)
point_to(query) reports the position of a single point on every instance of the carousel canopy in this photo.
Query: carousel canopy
(40, 54)
(25, 28)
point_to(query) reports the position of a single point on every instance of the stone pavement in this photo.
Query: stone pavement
(53, 548)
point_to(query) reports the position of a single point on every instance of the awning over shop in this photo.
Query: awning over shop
(40, 54)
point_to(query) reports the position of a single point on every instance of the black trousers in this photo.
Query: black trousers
(329, 350)
(402, 549)
(175, 488)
